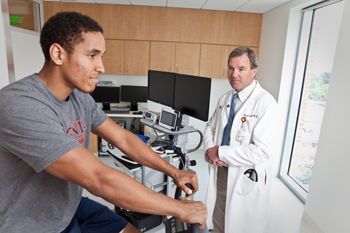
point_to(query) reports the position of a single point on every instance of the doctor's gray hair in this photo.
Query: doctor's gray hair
(237, 52)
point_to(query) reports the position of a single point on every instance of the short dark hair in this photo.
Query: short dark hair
(237, 52)
(66, 28)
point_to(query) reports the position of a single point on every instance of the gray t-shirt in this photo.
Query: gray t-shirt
(36, 128)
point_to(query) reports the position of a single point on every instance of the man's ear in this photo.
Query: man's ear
(255, 70)
(57, 53)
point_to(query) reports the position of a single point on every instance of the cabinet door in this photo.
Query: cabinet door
(83, 8)
(113, 20)
(51, 8)
(213, 61)
(162, 56)
(187, 58)
(137, 57)
(113, 59)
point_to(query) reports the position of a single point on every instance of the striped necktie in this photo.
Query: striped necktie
(227, 130)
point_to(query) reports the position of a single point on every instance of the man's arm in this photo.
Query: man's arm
(81, 167)
(212, 150)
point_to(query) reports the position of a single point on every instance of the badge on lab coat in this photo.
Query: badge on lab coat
(240, 137)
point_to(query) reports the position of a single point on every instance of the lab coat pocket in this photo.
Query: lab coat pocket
(246, 186)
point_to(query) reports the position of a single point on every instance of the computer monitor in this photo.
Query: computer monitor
(161, 87)
(133, 94)
(106, 95)
(192, 96)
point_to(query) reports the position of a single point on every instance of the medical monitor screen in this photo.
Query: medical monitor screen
(134, 94)
(192, 96)
(161, 87)
(106, 95)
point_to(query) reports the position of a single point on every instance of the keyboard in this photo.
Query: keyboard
(117, 111)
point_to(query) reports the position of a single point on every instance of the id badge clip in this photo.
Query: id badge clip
(240, 137)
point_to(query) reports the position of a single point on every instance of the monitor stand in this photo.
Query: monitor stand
(133, 106)
(106, 106)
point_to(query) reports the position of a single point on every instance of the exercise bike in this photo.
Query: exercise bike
(174, 225)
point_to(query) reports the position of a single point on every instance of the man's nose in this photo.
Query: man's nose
(100, 67)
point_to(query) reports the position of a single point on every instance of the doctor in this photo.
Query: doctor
(240, 158)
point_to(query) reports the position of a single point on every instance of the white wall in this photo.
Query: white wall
(3, 57)
(4, 38)
(27, 55)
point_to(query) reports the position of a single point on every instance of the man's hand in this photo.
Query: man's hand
(212, 156)
(194, 212)
(183, 177)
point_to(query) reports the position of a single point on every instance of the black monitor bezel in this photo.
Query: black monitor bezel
(104, 99)
(204, 94)
(135, 87)
(167, 91)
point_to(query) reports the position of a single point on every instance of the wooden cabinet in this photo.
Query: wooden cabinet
(137, 57)
(152, 23)
(130, 22)
(175, 57)
(113, 59)
(162, 56)
(114, 19)
(126, 57)
(245, 29)
(187, 58)
(213, 61)
(51, 8)
(187, 41)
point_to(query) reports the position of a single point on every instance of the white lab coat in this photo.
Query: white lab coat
(247, 201)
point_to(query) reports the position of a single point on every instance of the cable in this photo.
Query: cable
(199, 144)
(155, 134)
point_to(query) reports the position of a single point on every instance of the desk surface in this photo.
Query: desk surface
(129, 115)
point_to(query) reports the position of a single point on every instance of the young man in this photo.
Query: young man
(45, 126)
(239, 140)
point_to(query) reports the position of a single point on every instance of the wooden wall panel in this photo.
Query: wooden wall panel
(113, 59)
(114, 19)
(162, 56)
(169, 24)
(187, 58)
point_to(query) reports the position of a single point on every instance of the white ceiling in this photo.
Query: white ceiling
(251, 6)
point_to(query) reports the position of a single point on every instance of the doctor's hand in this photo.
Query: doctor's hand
(183, 177)
(212, 156)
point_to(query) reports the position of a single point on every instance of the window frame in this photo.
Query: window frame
(299, 76)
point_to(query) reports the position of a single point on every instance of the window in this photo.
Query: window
(317, 44)
(25, 14)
